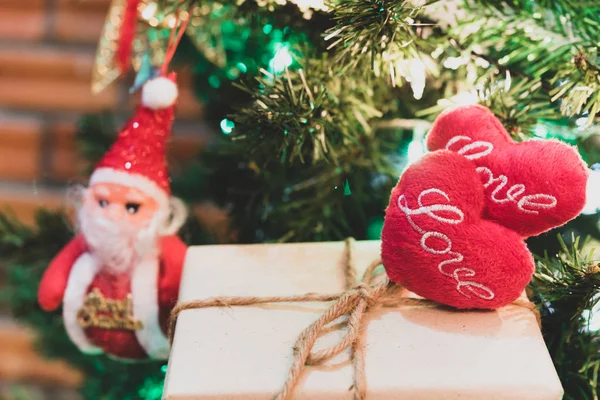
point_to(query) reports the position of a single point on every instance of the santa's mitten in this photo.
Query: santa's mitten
(530, 187)
(436, 243)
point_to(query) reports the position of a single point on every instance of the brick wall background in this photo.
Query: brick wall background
(47, 50)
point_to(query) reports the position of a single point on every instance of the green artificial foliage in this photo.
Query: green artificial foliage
(376, 33)
(553, 43)
(566, 288)
(305, 147)
(317, 107)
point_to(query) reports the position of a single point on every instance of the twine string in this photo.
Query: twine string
(350, 269)
(353, 303)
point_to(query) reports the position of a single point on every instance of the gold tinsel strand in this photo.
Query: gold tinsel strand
(151, 37)
(105, 69)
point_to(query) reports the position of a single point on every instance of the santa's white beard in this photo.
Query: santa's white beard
(117, 245)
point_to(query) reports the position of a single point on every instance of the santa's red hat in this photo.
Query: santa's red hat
(138, 157)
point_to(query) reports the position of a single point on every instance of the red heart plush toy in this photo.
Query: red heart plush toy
(437, 245)
(454, 228)
(530, 187)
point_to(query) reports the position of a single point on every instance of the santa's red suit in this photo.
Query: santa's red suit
(151, 283)
(154, 288)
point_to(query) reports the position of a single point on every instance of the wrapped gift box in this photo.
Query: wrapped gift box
(412, 352)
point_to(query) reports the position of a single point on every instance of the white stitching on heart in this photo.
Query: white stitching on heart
(515, 191)
(486, 147)
(526, 201)
(457, 274)
(532, 201)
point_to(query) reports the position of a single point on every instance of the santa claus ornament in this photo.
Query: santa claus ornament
(119, 278)
(455, 226)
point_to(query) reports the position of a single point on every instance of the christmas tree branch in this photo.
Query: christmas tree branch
(305, 114)
(566, 289)
(375, 33)
(526, 45)
(566, 17)
(305, 146)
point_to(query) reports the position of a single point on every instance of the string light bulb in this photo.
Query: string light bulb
(149, 11)
(281, 60)
(416, 148)
(592, 205)
(414, 71)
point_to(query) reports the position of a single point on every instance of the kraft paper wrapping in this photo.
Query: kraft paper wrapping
(416, 353)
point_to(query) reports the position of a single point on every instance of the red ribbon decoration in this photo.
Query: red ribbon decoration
(174, 41)
(126, 35)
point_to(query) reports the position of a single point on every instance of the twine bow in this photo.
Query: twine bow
(354, 303)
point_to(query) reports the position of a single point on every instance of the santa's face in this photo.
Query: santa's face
(121, 204)
(120, 224)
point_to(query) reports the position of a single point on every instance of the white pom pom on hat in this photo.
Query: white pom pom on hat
(159, 93)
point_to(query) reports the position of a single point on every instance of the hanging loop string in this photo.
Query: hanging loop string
(355, 303)
(174, 39)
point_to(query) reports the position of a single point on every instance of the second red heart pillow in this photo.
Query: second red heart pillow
(530, 187)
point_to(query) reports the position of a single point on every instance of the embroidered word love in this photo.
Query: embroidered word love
(531, 203)
(453, 216)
